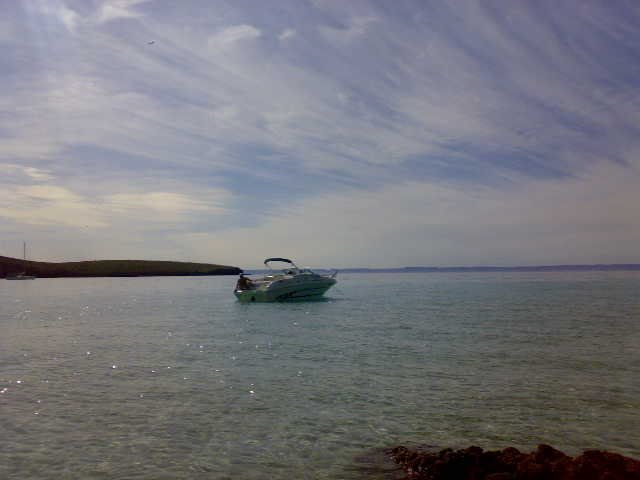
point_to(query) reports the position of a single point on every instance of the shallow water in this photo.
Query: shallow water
(158, 378)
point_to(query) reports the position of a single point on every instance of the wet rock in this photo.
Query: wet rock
(592, 463)
(544, 463)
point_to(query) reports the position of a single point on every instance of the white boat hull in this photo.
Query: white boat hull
(21, 276)
(279, 290)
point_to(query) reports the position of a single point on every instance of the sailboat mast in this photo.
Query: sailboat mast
(24, 250)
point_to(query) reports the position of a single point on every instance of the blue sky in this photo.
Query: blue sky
(338, 133)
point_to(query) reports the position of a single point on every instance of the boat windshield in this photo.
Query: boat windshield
(291, 269)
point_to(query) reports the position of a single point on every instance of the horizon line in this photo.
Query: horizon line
(569, 266)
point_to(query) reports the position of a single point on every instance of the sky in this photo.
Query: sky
(339, 134)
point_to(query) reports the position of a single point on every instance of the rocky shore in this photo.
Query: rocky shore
(544, 463)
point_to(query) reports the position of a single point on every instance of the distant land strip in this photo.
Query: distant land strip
(111, 268)
(538, 268)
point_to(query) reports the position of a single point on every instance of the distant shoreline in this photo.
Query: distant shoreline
(112, 268)
(539, 268)
(147, 268)
(535, 268)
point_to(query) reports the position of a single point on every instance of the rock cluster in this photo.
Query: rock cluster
(545, 463)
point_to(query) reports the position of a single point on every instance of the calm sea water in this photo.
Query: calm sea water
(171, 378)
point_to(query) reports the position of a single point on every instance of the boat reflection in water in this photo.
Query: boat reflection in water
(289, 283)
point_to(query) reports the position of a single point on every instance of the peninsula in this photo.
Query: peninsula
(112, 268)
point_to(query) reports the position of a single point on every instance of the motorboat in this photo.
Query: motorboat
(288, 283)
(20, 276)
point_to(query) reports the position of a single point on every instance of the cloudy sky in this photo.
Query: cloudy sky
(360, 133)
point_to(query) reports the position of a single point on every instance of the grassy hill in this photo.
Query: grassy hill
(112, 268)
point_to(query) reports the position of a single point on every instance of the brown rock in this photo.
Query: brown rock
(598, 465)
(500, 476)
(545, 463)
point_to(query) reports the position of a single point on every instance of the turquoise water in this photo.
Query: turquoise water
(171, 378)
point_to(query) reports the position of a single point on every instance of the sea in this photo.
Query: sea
(172, 378)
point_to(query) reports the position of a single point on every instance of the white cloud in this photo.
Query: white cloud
(355, 28)
(37, 173)
(55, 9)
(53, 204)
(114, 9)
(232, 35)
(48, 205)
(286, 34)
(69, 18)
(170, 203)
(12, 170)
(47, 193)
(107, 11)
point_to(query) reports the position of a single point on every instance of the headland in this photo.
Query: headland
(112, 268)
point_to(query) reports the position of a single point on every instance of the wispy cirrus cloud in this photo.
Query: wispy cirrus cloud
(287, 33)
(233, 34)
(10, 170)
(52, 205)
(354, 28)
(114, 9)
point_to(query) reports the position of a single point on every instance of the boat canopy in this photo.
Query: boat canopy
(277, 259)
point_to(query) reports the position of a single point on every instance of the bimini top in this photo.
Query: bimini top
(278, 259)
